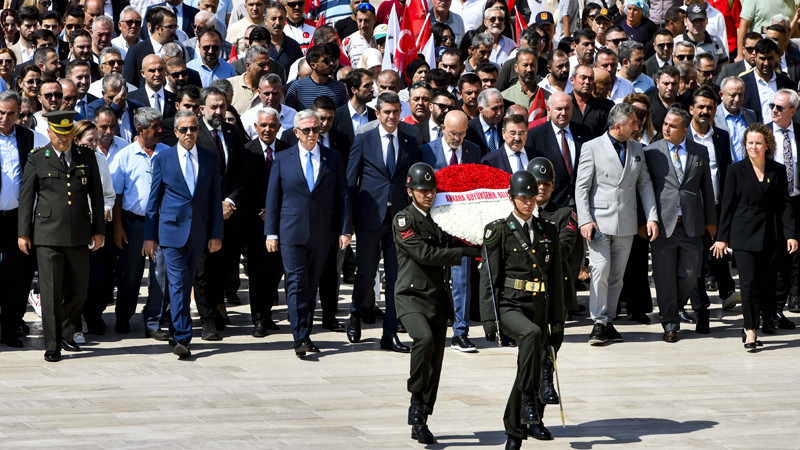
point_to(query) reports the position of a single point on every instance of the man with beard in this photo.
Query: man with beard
(208, 63)
(761, 84)
(525, 90)
(494, 21)
(80, 46)
(177, 74)
(153, 94)
(50, 96)
(323, 60)
(666, 93)
(469, 85)
(620, 88)
(442, 103)
(631, 55)
(558, 78)
(216, 267)
(587, 109)
(28, 24)
(348, 118)
(419, 101)
(46, 59)
(270, 92)
(450, 62)
(479, 52)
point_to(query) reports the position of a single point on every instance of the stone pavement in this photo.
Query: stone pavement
(127, 391)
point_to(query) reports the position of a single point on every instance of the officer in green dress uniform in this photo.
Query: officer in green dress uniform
(62, 180)
(522, 286)
(422, 294)
(566, 221)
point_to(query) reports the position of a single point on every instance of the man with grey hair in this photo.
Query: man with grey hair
(484, 130)
(732, 116)
(265, 268)
(102, 32)
(110, 60)
(115, 95)
(245, 86)
(306, 178)
(206, 20)
(131, 172)
(494, 21)
(130, 25)
(479, 52)
(270, 92)
(607, 212)
(631, 57)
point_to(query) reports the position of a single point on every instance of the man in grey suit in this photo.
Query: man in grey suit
(611, 171)
(732, 116)
(681, 176)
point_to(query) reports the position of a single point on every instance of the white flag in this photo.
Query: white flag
(390, 45)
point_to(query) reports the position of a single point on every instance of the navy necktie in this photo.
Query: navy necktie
(621, 150)
(390, 157)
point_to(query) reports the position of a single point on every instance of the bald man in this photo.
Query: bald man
(451, 149)
(602, 83)
(516, 109)
(154, 72)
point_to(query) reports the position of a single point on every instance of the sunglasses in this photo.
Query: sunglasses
(115, 62)
(131, 23)
(184, 130)
(25, 115)
(494, 19)
(664, 45)
(309, 130)
(444, 106)
(708, 73)
(750, 49)
(685, 57)
(617, 41)
(294, 5)
(180, 73)
(212, 48)
(71, 98)
(73, 26)
(52, 95)
(365, 7)
(3, 62)
(779, 108)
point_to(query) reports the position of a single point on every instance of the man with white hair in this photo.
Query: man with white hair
(130, 25)
(270, 92)
(102, 32)
(206, 20)
(110, 60)
(494, 20)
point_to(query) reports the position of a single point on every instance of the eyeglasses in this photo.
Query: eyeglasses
(114, 62)
(665, 45)
(170, 27)
(708, 73)
(33, 82)
(617, 41)
(444, 106)
(310, 130)
(365, 7)
(132, 22)
(184, 130)
(52, 95)
(180, 73)
(779, 108)
(329, 61)
(211, 48)
(517, 133)
(687, 57)
(293, 5)
(73, 26)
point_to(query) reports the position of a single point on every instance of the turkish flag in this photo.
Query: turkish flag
(538, 108)
(415, 36)
(519, 24)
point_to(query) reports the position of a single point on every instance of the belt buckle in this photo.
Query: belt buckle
(530, 286)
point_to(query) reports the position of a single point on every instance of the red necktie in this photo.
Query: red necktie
(565, 152)
(221, 151)
(269, 160)
(453, 157)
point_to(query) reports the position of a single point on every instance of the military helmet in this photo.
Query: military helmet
(542, 169)
(421, 176)
(523, 183)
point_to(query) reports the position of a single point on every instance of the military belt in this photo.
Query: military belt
(523, 285)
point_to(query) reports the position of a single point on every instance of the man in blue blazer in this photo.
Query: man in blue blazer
(376, 176)
(452, 149)
(184, 216)
(307, 212)
(115, 95)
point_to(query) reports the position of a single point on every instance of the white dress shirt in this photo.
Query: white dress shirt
(513, 161)
(221, 137)
(712, 156)
(777, 131)
(150, 97)
(570, 142)
(182, 160)
(385, 143)
(433, 130)
(766, 92)
(448, 151)
(156, 46)
(529, 222)
(250, 117)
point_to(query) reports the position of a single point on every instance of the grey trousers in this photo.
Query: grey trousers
(608, 256)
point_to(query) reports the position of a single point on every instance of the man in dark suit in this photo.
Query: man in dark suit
(441, 103)
(61, 232)
(767, 60)
(215, 268)
(452, 149)
(484, 130)
(162, 23)
(115, 95)
(80, 46)
(787, 143)
(348, 118)
(737, 68)
(265, 269)
(788, 64)
(153, 93)
(681, 175)
(665, 94)
(586, 108)
(308, 212)
(663, 43)
(512, 156)
(376, 173)
(16, 268)
(184, 217)
(184, 17)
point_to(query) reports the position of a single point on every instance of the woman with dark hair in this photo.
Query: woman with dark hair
(587, 15)
(29, 80)
(233, 118)
(756, 219)
(443, 35)
(10, 21)
(8, 64)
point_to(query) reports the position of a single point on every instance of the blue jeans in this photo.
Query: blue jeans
(461, 296)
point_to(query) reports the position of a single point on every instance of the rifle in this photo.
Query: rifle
(491, 287)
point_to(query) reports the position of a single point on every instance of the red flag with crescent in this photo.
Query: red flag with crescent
(414, 35)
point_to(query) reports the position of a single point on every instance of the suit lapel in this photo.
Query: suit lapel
(294, 160)
(323, 166)
(378, 145)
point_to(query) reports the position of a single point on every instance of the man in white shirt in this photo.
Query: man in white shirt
(620, 87)
(631, 55)
(558, 78)
(270, 91)
(494, 20)
(514, 135)
(130, 25)
(111, 61)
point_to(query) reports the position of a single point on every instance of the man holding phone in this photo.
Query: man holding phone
(611, 171)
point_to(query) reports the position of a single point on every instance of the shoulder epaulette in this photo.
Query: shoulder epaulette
(37, 149)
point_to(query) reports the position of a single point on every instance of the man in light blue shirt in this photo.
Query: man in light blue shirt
(631, 56)
(131, 171)
(732, 116)
(208, 63)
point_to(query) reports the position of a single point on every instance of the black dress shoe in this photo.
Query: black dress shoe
(333, 325)
(686, 317)
(233, 298)
(416, 415)
(181, 349)
(769, 325)
(641, 318)
(612, 334)
(671, 336)
(271, 325)
(530, 413)
(23, 330)
(598, 334)
(300, 347)
(703, 326)
(513, 443)
(158, 334)
(508, 342)
(354, 329)
(69, 345)
(210, 332)
(711, 284)
(312, 347)
(392, 342)
(422, 434)
(12, 341)
(784, 323)
(52, 356)
(260, 329)
(539, 432)
(122, 327)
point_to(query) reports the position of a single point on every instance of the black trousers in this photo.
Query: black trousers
(635, 285)
(16, 274)
(787, 268)
(527, 326)
(102, 278)
(214, 269)
(427, 352)
(717, 269)
(329, 285)
(63, 282)
(754, 282)
(264, 270)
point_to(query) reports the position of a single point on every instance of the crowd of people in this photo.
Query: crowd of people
(208, 131)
